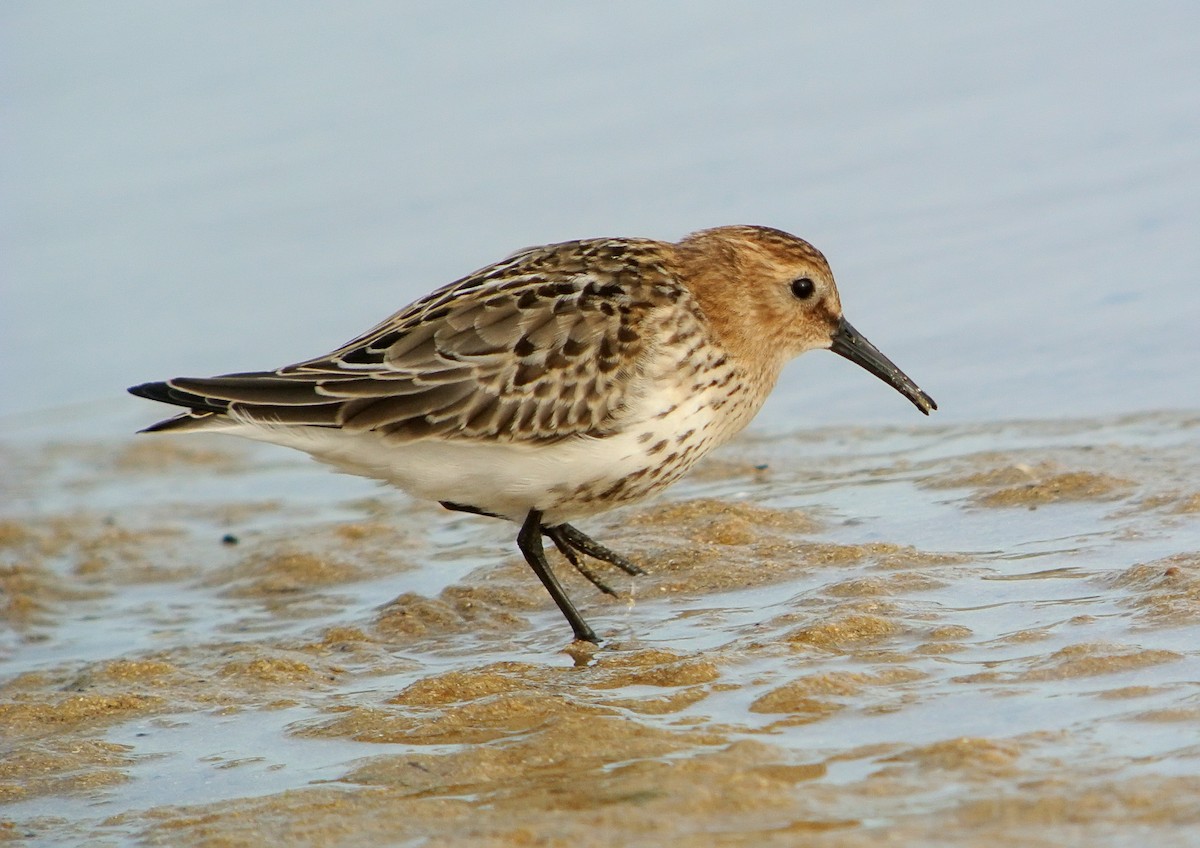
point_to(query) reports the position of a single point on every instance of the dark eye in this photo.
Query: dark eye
(803, 288)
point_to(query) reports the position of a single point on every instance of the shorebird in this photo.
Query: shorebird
(555, 384)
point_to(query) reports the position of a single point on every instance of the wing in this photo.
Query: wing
(545, 345)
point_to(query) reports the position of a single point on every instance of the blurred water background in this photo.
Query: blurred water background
(1009, 194)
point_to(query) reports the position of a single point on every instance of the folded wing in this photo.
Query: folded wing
(546, 345)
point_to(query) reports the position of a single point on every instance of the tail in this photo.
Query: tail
(203, 412)
(234, 400)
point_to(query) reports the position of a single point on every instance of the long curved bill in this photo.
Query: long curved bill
(848, 342)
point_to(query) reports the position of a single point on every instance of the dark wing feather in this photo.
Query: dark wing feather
(544, 345)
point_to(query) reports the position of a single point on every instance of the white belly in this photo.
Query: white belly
(510, 479)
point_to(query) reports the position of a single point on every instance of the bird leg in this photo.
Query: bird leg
(555, 536)
(570, 542)
(529, 540)
(587, 545)
(473, 510)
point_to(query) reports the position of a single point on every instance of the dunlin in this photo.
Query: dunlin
(555, 384)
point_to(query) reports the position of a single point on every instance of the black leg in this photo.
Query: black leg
(474, 510)
(529, 540)
(555, 536)
(587, 545)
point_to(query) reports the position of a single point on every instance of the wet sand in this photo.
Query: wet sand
(969, 635)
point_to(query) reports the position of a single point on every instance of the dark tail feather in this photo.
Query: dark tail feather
(200, 409)
(165, 393)
(205, 412)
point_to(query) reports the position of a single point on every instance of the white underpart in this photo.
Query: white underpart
(510, 479)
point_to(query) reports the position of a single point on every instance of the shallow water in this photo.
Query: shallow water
(978, 634)
(977, 629)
